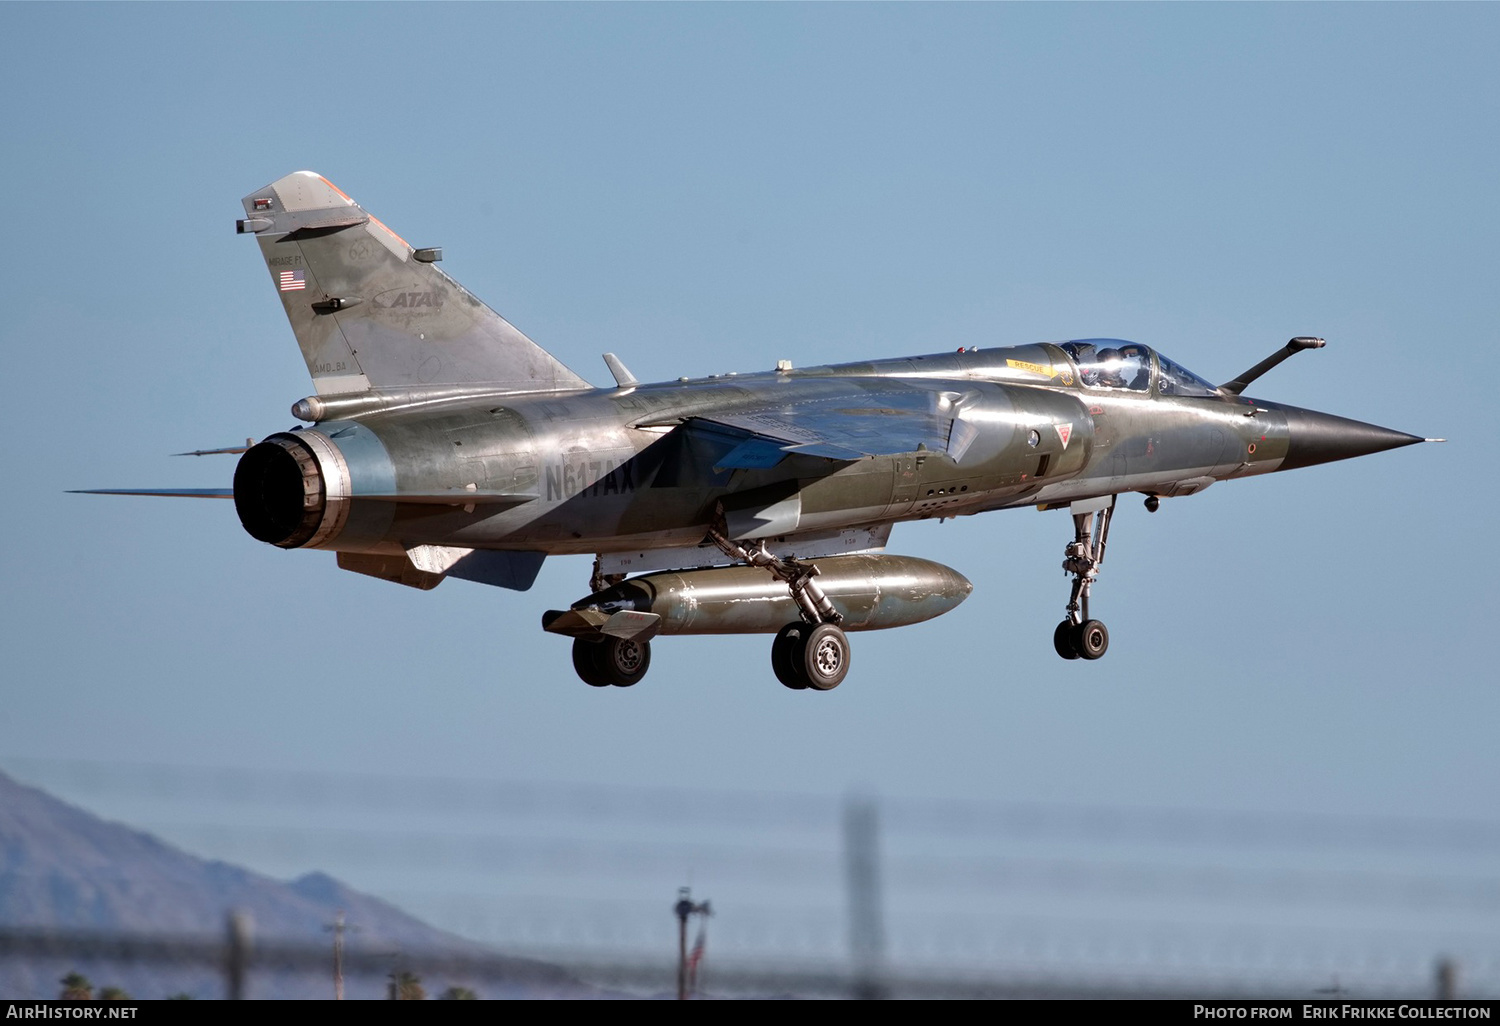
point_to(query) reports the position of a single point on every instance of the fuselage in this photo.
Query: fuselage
(442, 442)
(605, 469)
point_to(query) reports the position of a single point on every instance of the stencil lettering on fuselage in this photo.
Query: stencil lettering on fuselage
(589, 478)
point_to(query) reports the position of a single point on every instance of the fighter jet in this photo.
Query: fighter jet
(442, 442)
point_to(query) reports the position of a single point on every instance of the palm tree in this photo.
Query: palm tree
(76, 987)
(113, 994)
(459, 994)
(406, 986)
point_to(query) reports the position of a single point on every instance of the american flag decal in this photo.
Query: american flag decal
(291, 281)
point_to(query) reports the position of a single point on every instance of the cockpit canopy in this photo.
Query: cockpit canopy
(1117, 364)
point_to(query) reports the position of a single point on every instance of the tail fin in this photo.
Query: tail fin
(371, 312)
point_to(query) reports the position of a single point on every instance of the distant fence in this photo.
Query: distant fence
(831, 896)
(239, 959)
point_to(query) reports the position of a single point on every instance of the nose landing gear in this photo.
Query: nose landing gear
(1078, 636)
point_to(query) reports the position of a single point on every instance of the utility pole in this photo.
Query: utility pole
(1447, 979)
(685, 908)
(237, 955)
(338, 955)
(862, 872)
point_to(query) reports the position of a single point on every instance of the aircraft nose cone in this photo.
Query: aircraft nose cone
(1314, 438)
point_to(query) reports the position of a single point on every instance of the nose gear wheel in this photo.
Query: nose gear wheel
(1062, 640)
(1090, 639)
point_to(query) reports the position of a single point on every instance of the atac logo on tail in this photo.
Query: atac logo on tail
(409, 300)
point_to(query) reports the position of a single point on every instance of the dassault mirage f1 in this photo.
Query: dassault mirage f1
(442, 442)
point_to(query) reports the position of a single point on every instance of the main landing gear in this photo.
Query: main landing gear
(811, 653)
(1078, 636)
(612, 648)
(812, 656)
(605, 662)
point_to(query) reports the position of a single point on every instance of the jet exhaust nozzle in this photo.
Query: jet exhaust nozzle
(292, 490)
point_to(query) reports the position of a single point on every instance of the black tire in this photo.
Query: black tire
(586, 663)
(1062, 640)
(1091, 639)
(622, 661)
(825, 657)
(786, 655)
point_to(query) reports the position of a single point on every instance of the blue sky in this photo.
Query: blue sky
(707, 188)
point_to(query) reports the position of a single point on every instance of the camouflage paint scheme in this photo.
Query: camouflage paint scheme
(444, 442)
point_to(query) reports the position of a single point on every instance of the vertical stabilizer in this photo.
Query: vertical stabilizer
(371, 312)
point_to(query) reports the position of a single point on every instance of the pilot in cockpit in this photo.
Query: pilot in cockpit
(1135, 368)
(1110, 369)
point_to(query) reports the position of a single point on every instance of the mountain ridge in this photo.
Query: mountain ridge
(65, 871)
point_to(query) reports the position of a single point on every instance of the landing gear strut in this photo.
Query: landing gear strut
(809, 653)
(1078, 636)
